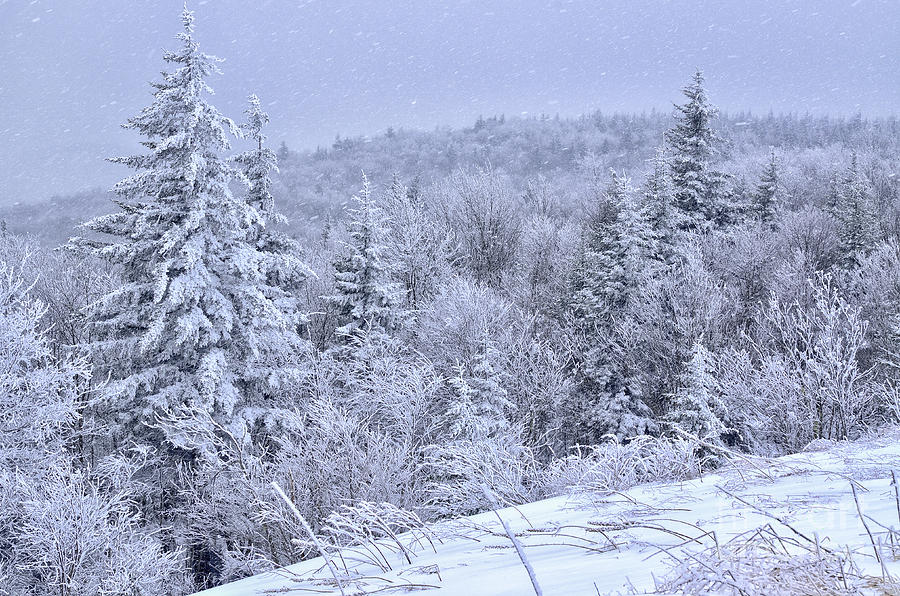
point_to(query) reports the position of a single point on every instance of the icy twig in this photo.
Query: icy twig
(762, 511)
(896, 493)
(865, 525)
(312, 535)
(513, 539)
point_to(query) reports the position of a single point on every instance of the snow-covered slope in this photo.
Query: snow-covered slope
(801, 506)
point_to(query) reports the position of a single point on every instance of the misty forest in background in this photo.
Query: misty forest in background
(395, 321)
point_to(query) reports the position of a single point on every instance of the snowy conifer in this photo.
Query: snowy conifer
(615, 253)
(461, 411)
(197, 322)
(479, 402)
(281, 263)
(614, 402)
(615, 260)
(658, 207)
(366, 295)
(859, 232)
(699, 190)
(635, 239)
(592, 271)
(696, 405)
(598, 281)
(768, 196)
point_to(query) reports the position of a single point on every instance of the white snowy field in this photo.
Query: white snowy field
(723, 527)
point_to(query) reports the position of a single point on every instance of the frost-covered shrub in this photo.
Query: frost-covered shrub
(453, 326)
(765, 563)
(670, 460)
(812, 233)
(458, 471)
(616, 465)
(231, 522)
(482, 209)
(511, 472)
(374, 533)
(325, 458)
(76, 539)
(817, 348)
(335, 457)
(63, 530)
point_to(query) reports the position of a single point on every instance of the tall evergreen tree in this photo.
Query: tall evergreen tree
(658, 207)
(598, 277)
(768, 195)
(195, 324)
(699, 190)
(366, 295)
(615, 254)
(636, 242)
(615, 259)
(696, 405)
(859, 232)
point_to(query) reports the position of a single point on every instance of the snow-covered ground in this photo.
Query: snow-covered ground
(626, 542)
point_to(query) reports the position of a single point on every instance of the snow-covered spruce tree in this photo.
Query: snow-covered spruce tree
(612, 400)
(280, 262)
(366, 294)
(200, 321)
(479, 404)
(768, 196)
(658, 207)
(859, 231)
(616, 254)
(699, 189)
(636, 241)
(696, 406)
(598, 275)
(617, 257)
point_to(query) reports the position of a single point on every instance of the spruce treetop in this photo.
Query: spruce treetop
(698, 188)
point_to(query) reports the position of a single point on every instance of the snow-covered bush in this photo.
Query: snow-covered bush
(765, 562)
(77, 539)
(616, 465)
(417, 245)
(459, 469)
(335, 457)
(819, 346)
(63, 530)
(454, 325)
(372, 531)
(483, 212)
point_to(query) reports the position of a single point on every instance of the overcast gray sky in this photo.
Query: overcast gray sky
(73, 70)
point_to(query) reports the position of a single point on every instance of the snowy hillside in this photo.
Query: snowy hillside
(783, 525)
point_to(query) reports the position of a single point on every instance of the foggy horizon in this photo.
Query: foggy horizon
(76, 73)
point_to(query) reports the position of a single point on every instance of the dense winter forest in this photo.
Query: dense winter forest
(395, 322)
